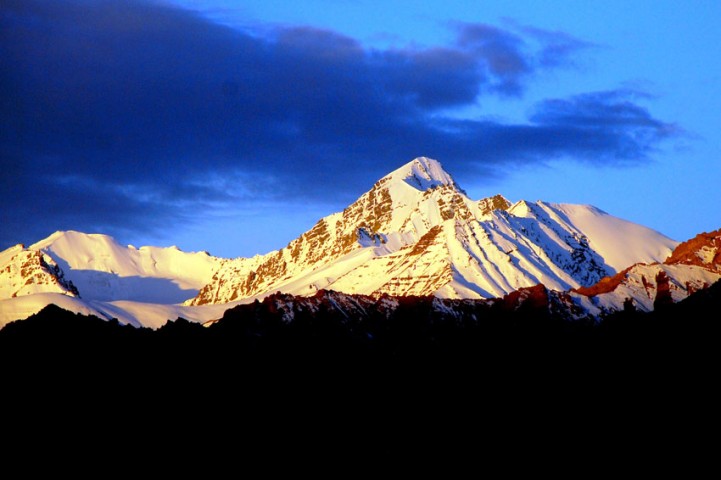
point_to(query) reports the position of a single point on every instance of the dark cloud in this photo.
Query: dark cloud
(605, 125)
(122, 115)
(512, 56)
(502, 53)
(430, 78)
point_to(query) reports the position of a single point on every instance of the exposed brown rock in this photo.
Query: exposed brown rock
(35, 268)
(496, 202)
(426, 240)
(605, 285)
(535, 297)
(703, 250)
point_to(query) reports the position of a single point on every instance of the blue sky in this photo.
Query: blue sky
(233, 126)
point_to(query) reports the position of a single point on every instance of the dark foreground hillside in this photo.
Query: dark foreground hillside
(286, 334)
(411, 384)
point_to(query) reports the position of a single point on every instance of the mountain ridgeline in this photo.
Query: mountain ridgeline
(414, 234)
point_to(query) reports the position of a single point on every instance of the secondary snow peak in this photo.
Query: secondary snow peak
(496, 202)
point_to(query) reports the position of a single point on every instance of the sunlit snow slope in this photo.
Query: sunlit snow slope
(102, 269)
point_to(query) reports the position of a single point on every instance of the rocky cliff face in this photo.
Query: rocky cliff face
(496, 202)
(26, 271)
(704, 250)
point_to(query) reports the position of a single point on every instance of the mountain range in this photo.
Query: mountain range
(415, 233)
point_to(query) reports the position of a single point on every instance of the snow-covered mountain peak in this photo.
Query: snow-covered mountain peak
(416, 233)
(102, 269)
(421, 173)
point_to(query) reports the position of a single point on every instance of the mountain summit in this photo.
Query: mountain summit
(423, 174)
(416, 232)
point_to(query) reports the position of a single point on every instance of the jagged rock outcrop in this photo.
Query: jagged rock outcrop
(26, 271)
(704, 250)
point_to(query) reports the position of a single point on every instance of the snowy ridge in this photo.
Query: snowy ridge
(644, 286)
(619, 242)
(693, 265)
(93, 274)
(102, 269)
(415, 232)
